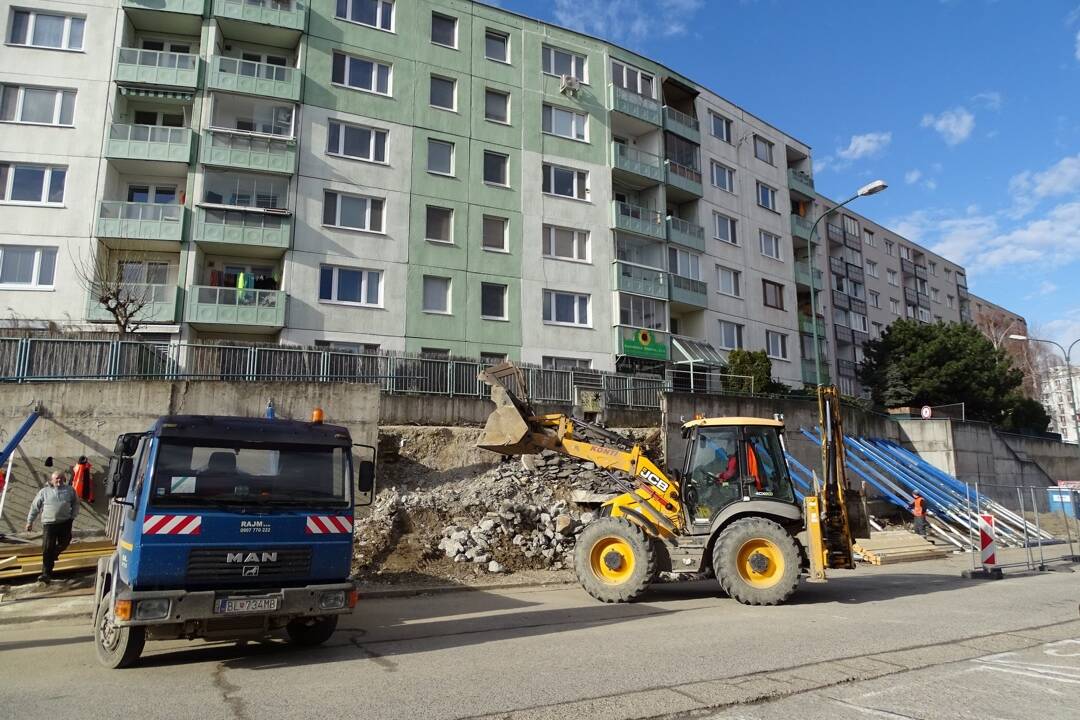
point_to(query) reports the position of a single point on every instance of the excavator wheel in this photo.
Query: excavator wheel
(756, 562)
(615, 561)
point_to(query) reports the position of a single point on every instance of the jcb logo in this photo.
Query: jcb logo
(655, 480)
(251, 557)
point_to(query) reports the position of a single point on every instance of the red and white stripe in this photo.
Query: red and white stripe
(328, 524)
(172, 525)
(987, 541)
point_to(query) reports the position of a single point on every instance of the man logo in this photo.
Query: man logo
(250, 571)
(251, 557)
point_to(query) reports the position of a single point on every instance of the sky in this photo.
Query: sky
(969, 109)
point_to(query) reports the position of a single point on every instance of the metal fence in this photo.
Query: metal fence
(1042, 521)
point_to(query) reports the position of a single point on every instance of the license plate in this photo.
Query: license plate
(238, 605)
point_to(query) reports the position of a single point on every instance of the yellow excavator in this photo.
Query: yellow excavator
(730, 510)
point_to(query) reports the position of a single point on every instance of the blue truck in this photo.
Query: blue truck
(229, 528)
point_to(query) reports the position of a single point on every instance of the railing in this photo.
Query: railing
(682, 118)
(689, 285)
(799, 223)
(837, 265)
(249, 68)
(140, 211)
(630, 103)
(638, 219)
(637, 161)
(158, 59)
(641, 280)
(230, 296)
(150, 134)
(835, 232)
(802, 275)
(686, 227)
(684, 379)
(801, 177)
(633, 391)
(686, 173)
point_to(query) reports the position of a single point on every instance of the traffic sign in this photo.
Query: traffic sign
(926, 413)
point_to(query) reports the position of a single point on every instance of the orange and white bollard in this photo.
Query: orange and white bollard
(987, 542)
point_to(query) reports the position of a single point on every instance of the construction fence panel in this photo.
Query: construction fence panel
(1041, 520)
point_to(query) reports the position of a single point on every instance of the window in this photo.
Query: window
(772, 294)
(948, 273)
(435, 353)
(565, 243)
(496, 168)
(352, 212)
(871, 268)
(723, 177)
(495, 234)
(562, 308)
(684, 264)
(935, 294)
(763, 149)
(875, 298)
(374, 13)
(725, 228)
(563, 62)
(950, 301)
(766, 197)
(730, 335)
(851, 226)
(361, 74)
(43, 30)
(868, 238)
(39, 106)
(730, 281)
(436, 294)
(894, 306)
(857, 321)
(444, 30)
(34, 184)
(26, 266)
(353, 286)
(564, 123)
(336, 346)
(549, 362)
(721, 126)
(492, 301)
(890, 248)
(770, 245)
(234, 112)
(632, 79)
(876, 329)
(933, 269)
(776, 345)
(440, 224)
(490, 358)
(245, 189)
(565, 182)
(440, 157)
(356, 141)
(924, 315)
(497, 46)
(496, 106)
(643, 312)
(894, 280)
(905, 252)
(443, 93)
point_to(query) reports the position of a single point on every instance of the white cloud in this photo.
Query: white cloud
(954, 126)
(912, 176)
(866, 145)
(1029, 188)
(991, 99)
(1064, 329)
(1047, 288)
(627, 21)
(930, 184)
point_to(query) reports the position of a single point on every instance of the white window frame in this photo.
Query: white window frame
(505, 234)
(770, 148)
(858, 322)
(440, 241)
(872, 269)
(732, 224)
(851, 225)
(65, 42)
(578, 62)
(457, 27)
(905, 252)
(776, 240)
(549, 169)
(548, 303)
(772, 196)
(738, 331)
(621, 82)
(782, 337)
(505, 302)
(58, 105)
(5, 192)
(687, 263)
(890, 248)
(340, 152)
(874, 298)
(892, 277)
(503, 93)
(365, 275)
(579, 121)
(453, 158)
(505, 36)
(726, 123)
(373, 90)
(367, 212)
(382, 6)
(950, 301)
(35, 282)
(547, 243)
(868, 238)
(736, 281)
(894, 306)
(552, 362)
(453, 92)
(449, 295)
(716, 167)
(506, 168)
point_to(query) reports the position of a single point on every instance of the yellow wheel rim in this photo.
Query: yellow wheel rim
(612, 560)
(760, 563)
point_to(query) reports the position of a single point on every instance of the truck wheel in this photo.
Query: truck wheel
(311, 631)
(756, 562)
(614, 560)
(117, 647)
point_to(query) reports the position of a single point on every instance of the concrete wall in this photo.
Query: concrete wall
(465, 411)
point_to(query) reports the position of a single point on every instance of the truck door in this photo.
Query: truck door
(714, 471)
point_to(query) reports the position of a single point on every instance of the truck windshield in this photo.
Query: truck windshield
(218, 472)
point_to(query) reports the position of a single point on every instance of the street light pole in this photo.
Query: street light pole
(1068, 375)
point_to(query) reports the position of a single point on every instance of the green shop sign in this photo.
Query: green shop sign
(645, 344)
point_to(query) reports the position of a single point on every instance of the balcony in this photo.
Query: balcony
(688, 291)
(806, 324)
(682, 124)
(809, 372)
(637, 162)
(907, 267)
(254, 78)
(637, 219)
(248, 232)
(835, 233)
(962, 292)
(154, 223)
(162, 69)
(855, 273)
(633, 105)
(175, 17)
(802, 275)
(149, 142)
(683, 178)
(229, 148)
(858, 306)
(847, 368)
(920, 272)
(851, 240)
(685, 233)
(840, 300)
(843, 334)
(181, 7)
(160, 304)
(639, 343)
(837, 266)
(923, 300)
(640, 280)
(910, 296)
(801, 182)
(282, 14)
(241, 311)
(801, 227)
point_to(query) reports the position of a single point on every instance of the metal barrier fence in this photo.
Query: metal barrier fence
(1043, 521)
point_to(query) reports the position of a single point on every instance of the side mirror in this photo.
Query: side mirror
(119, 480)
(365, 482)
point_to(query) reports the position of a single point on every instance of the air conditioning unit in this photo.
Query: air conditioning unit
(568, 84)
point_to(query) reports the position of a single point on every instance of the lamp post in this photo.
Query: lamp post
(1068, 375)
(869, 189)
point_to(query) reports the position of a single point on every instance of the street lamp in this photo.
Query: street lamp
(869, 189)
(1068, 375)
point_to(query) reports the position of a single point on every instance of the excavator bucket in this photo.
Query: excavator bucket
(506, 430)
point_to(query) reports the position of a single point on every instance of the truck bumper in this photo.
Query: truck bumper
(185, 606)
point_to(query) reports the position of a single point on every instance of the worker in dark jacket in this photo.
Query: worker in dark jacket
(58, 505)
(918, 509)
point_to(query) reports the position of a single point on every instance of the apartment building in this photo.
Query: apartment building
(1059, 399)
(432, 177)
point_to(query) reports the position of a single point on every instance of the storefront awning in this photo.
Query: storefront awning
(686, 350)
(165, 95)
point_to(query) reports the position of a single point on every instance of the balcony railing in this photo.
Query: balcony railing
(287, 14)
(920, 272)
(158, 303)
(802, 275)
(855, 273)
(637, 219)
(254, 78)
(847, 368)
(186, 7)
(837, 265)
(682, 124)
(840, 300)
(801, 227)
(907, 267)
(153, 67)
(689, 291)
(809, 372)
(149, 142)
(250, 152)
(248, 228)
(835, 232)
(685, 233)
(140, 221)
(806, 324)
(641, 280)
(683, 177)
(637, 161)
(843, 334)
(254, 309)
(910, 296)
(800, 181)
(634, 105)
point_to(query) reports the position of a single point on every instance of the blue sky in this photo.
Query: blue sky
(969, 109)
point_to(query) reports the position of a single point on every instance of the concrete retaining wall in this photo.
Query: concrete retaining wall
(472, 411)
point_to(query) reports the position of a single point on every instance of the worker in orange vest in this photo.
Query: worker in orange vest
(918, 509)
(82, 482)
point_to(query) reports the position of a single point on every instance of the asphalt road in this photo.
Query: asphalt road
(909, 641)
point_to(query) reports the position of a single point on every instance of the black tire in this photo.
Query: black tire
(756, 539)
(117, 647)
(311, 631)
(612, 542)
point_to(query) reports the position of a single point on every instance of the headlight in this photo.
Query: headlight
(152, 609)
(332, 600)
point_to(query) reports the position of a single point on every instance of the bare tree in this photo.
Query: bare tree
(1029, 357)
(102, 276)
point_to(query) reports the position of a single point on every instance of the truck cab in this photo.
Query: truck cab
(229, 527)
